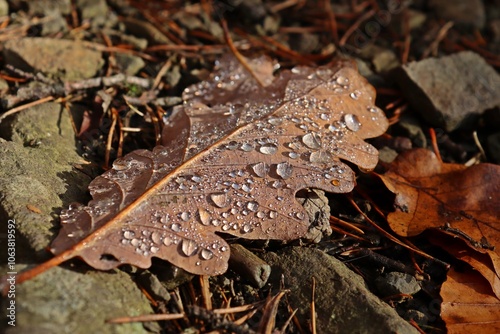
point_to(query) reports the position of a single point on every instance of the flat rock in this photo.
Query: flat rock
(56, 58)
(37, 179)
(395, 283)
(452, 90)
(343, 303)
(470, 13)
(63, 301)
(36, 172)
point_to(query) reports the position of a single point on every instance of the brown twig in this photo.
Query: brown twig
(355, 26)
(237, 54)
(435, 144)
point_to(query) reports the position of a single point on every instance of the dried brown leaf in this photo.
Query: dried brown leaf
(468, 305)
(460, 201)
(233, 158)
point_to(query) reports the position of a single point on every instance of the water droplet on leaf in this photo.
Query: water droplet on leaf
(352, 122)
(311, 140)
(206, 254)
(246, 147)
(260, 169)
(204, 216)
(185, 216)
(252, 206)
(219, 199)
(268, 149)
(128, 234)
(189, 247)
(284, 169)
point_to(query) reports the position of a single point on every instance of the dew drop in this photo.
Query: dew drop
(175, 227)
(204, 216)
(128, 235)
(277, 184)
(223, 249)
(196, 179)
(121, 164)
(135, 242)
(293, 155)
(246, 228)
(284, 169)
(232, 146)
(352, 122)
(189, 247)
(324, 116)
(252, 206)
(300, 215)
(275, 121)
(154, 249)
(215, 222)
(219, 199)
(335, 182)
(311, 140)
(268, 149)
(156, 237)
(273, 214)
(206, 254)
(341, 80)
(225, 227)
(260, 169)
(319, 156)
(246, 188)
(355, 95)
(246, 147)
(185, 216)
(260, 214)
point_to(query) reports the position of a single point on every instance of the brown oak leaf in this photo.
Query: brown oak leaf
(458, 200)
(234, 156)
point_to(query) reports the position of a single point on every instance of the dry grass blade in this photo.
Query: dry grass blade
(267, 322)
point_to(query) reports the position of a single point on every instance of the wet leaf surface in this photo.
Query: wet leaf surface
(459, 201)
(233, 158)
(468, 305)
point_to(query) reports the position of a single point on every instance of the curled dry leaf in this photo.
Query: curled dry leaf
(468, 304)
(460, 201)
(233, 158)
(479, 261)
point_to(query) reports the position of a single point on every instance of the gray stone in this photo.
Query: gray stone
(49, 7)
(129, 64)
(37, 179)
(62, 301)
(465, 12)
(36, 171)
(410, 126)
(153, 285)
(450, 91)
(395, 283)
(387, 154)
(91, 9)
(383, 59)
(57, 58)
(56, 24)
(4, 8)
(342, 301)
